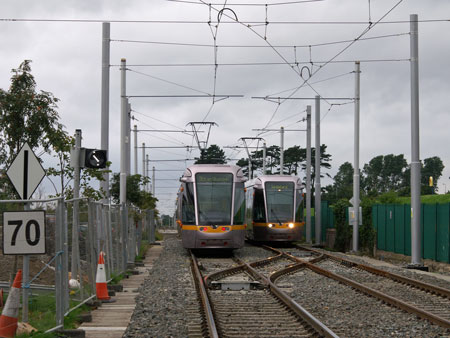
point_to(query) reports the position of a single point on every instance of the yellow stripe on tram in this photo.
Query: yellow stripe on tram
(210, 229)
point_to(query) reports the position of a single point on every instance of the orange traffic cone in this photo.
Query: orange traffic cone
(100, 280)
(8, 319)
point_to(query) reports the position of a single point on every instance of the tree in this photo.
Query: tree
(432, 167)
(293, 158)
(212, 155)
(27, 115)
(325, 158)
(343, 181)
(384, 173)
(136, 193)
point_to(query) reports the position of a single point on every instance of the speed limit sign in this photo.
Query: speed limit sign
(23, 232)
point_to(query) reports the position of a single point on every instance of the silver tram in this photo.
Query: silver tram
(274, 208)
(211, 207)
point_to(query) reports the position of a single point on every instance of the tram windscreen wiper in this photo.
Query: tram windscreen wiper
(278, 220)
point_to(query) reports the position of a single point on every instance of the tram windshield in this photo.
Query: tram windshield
(214, 197)
(280, 201)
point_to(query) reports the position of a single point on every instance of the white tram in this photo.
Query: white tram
(274, 208)
(211, 207)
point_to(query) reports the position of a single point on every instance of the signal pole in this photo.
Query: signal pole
(104, 131)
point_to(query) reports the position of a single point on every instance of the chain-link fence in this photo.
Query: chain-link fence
(74, 233)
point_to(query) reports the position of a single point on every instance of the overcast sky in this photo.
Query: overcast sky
(66, 60)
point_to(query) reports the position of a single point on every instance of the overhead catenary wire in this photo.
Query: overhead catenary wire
(167, 81)
(250, 4)
(201, 22)
(181, 44)
(291, 64)
(313, 73)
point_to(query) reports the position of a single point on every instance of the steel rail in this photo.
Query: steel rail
(204, 298)
(375, 293)
(241, 267)
(412, 282)
(316, 324)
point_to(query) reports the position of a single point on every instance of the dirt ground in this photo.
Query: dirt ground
(37, 263)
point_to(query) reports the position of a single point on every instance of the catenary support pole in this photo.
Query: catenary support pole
(308, 174)
(416, 256)
(123, 158)
(356, 160)
(281, 150)
(135, 151)
(143, 160)
(123, 133)
(128, 138)
(146, 173)
(264, 157)
(318, 225)
(153, 181)
(104, 131)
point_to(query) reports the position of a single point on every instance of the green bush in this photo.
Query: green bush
(366, 230)
(343, 230)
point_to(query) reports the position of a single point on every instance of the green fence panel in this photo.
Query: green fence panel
(399, 229)
(331, 218)
(407, 214)
(422, 228)
(390, 228)
(429, 234)
(443, 233)
(381, 235)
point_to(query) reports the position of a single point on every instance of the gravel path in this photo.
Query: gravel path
(162, 307)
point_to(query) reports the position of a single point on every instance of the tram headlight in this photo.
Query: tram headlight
(270, 225)
(291, 225)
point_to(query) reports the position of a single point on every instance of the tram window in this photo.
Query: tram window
(280, 201)
(239, 204)
(187, 205)
(298, 206)
(214, 197)
(259, 213)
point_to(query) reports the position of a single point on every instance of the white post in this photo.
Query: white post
(356, 160)
(416, 249)
(123, 133)
(135, 151)
(282, 151)
(104, 131)
(264, 158)
(317, 201)
(308, 174)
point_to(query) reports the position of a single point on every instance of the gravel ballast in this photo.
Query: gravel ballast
(167, 300)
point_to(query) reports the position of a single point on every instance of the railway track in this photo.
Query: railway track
(424, 300)
(240, 301)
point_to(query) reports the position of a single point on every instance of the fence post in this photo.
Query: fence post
(65, 280)
(59, 248)
(91, 238)
(124, 233)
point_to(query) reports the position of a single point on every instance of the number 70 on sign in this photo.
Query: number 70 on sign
(23, 232)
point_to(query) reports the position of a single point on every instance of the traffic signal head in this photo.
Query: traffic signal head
(95, 158)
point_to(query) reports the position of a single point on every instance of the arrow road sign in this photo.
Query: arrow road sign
(25, 172)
